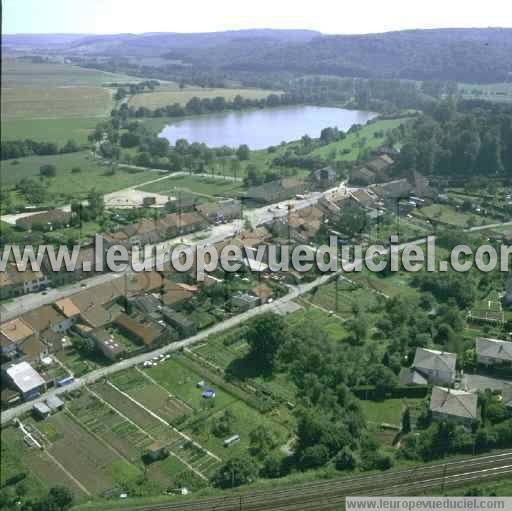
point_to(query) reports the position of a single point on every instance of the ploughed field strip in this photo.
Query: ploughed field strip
(110, 426)
(80, 453)
(155, 428)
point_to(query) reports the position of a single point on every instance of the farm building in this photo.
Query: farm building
(47, 220)
(276, 191)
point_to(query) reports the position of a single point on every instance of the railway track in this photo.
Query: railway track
(325, 495)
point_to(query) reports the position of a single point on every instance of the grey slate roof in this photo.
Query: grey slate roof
(434, 360)
(494, 348)
(411, 377)
(507, 395)
(457, 403)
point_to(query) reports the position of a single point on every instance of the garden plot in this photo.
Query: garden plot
(82, 456)
(189, 453)
(123, 436)
(151, 395)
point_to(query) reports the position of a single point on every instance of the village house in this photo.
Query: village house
(68, 309)
(325, 177)
(143, 333)
(506, 395)
(14, 282)
(362, 176)
(45, 221)
(493, 351)
(26, 380)
(47, 317)
(85, 267)
(180, 322)
(223, 211)
(380, 165)
(454, 405)
(438, 367)
(13, 334)
(107, 344)
(276, 191)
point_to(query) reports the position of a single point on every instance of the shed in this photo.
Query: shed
(231, 440)
(208, 394)
(55, 404)
(41, 410)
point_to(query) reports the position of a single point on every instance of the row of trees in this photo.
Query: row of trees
(20, 148)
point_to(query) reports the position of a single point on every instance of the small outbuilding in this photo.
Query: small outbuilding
(41, 410)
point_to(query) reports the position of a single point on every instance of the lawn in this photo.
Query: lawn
(205, 186)
(159, 98)
(351, 147)
(58, 131)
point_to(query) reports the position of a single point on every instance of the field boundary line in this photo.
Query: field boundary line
(163, 421)
(68, 473)
(95, 435)
(190, 467)
(154, 382)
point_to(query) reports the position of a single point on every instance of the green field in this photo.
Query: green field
(67, 185)
(206, 186)
(153, 100)
(55, 102)
(490, 91)
(353, 144)
(16, 73)
(58, 131)
(452, 216)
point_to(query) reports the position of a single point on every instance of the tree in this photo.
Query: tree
(224, 425)
(48, 170)
(272, 466)
(406, 421)
(59, 498)
(243, 152)
(265, 335)
(346, 459)
(262, 441)
(235, 472)
(96, 204)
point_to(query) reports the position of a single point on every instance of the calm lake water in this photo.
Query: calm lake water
(260, 129)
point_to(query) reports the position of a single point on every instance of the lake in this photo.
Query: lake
(260, 129)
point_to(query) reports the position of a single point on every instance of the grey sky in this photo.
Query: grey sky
(333, 16)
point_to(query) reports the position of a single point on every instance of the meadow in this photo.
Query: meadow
(55, 102)
(58, 131)
(204, 186)
(354, 144)
(71, 184)
(16, 73)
